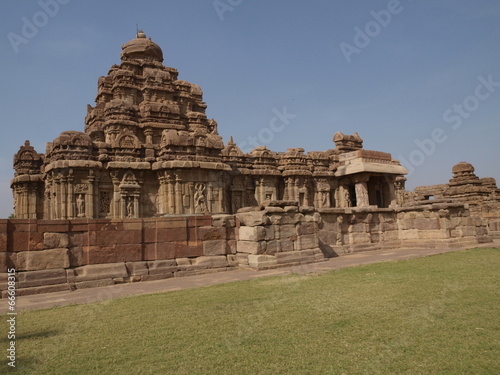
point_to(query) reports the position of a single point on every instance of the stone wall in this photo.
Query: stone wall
(278, 235)
(491, 213)
(426, 226)
(63, 255)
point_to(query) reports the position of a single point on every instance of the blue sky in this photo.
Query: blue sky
(418, 79)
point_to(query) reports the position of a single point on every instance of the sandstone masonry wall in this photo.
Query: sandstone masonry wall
(427, 226)
(63, 255)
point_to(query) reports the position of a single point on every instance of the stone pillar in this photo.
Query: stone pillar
(260, 190)
(50, 198)
(190, 187)
(296, 193)
(170, 195)
(336, 196)
(344, 193)
(64, 198)
(161, 195)
(90, 210)
(362, 199)
(220, 201)
(71, 201)
(117, 212)
(149, 136)
(19, 202)
(22, 203)
(34, 201)
(178, 195)
(57, 203)
(392, 192)
(136, 206)
(123, 205)
(46, 204)
(286, 193)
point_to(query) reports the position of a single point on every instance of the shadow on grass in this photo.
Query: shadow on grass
(37, 335)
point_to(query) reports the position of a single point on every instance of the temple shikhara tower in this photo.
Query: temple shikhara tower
(148, 149)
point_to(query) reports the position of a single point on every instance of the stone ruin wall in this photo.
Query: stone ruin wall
(64, 255)
(481, 195)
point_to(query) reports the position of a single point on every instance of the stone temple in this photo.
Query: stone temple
(148, 149)
(149, 191)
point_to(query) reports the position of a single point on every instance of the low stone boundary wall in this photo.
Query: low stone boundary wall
(65, 255)
(426, 226)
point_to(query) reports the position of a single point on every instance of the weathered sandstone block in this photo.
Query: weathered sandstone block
(253, 218)
(305, 242)
(215, 247)
(137, 268)
(251, 247)
(97, 271)
(42, 260)
(43, 277)
(55, 240)
(212, 233)
(227, 221)
(210, 261)
(162, 266)
(252, 233)
(261, 261)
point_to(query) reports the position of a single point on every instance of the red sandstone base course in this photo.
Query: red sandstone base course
(63, 255)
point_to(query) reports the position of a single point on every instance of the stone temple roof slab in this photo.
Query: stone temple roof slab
(359, 167)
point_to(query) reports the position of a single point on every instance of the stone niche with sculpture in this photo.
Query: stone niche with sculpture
(148, 149)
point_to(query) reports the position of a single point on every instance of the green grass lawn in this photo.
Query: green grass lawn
(434, 315)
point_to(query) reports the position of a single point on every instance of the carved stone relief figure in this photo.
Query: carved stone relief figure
(347, 197)
(199, 199)
(80, 205)
(324, 198)
(130, 207)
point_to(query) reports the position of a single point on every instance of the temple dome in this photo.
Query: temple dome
(142, 48)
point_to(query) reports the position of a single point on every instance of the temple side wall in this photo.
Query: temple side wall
(64, 255)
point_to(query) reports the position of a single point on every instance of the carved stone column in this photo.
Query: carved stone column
(149, 136)
(178, 195)
(136, 206)
(392, 191)
(362, 198)
(23, 202)
(191, 187)
(220, 202)
(90, 197)
(162, 192)
(64, 198)
(123, 209)
(46, 203)
(115, 206)
(170, 195)
(57, 205)
(71, 196)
